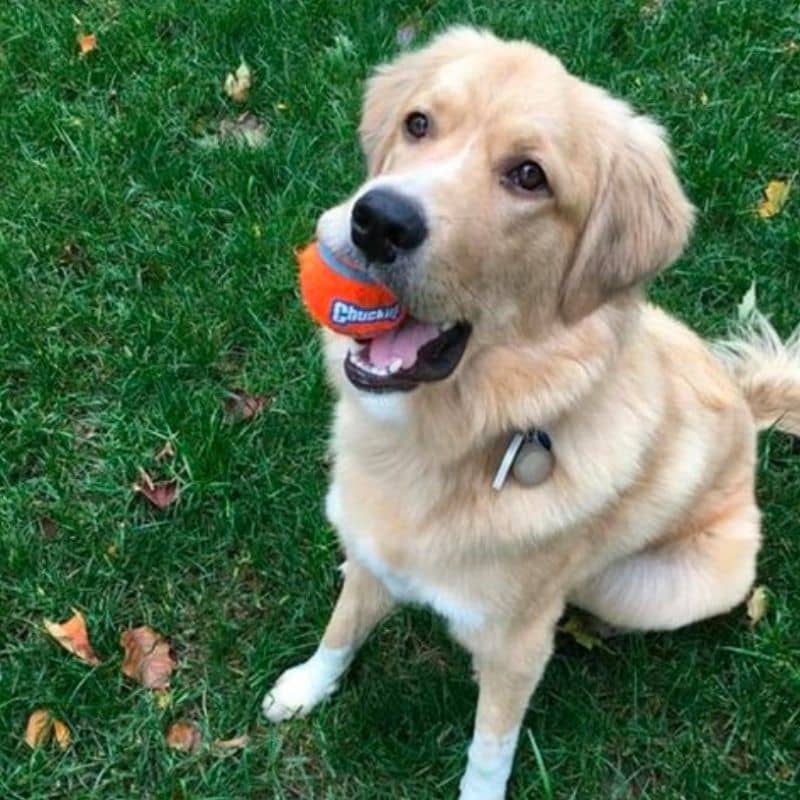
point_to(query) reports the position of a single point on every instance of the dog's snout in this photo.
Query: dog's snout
(384, 222)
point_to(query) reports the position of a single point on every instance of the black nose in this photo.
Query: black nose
(384, 222)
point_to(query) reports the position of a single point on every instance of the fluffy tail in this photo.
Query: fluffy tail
(766, 369)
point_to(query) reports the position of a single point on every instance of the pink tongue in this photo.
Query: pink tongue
(403, 342)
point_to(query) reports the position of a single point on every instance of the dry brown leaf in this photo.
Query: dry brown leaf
(757, 605)
(166, 452)
(237, 84)
(73, 636)
(239, 405)
(776, 194)
(148, 659)
(236, 743)
(184, 736)
(48, 527)
(38, 727)
(247, 130)
(61, 734)
(87, 43)
(160, 495)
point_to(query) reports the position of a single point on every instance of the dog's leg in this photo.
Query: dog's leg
(689, 578)
(362, 603)
(509, 666)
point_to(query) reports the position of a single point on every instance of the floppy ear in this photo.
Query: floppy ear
(639, 220)
(391, 84)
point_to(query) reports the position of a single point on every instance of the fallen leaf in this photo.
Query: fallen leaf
(757, 605)
(73, 636)
(160, 495)
(281, 106)
(703, 97)
(87, 43)
(247, 130)
(239, 405)
(163, 699)
(651, 7)
(776, 195)
(49, 527)
(748, 303)
(61, 734)
(578, 630)
(236, 743)
(184, 736)
(73, 255)
(38, 727)
(148, 659)
(237, 84)
(166, 452)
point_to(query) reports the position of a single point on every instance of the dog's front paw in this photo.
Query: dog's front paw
(295, 693)
(301, 688)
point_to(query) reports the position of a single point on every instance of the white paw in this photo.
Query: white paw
(300, 688)
(472, 789)
(295, 693)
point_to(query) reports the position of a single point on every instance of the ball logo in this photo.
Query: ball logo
(344, 313)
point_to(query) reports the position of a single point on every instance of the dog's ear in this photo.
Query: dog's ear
(639, 220)
(391, 85)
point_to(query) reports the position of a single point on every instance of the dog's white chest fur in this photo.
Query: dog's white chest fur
(404, 585)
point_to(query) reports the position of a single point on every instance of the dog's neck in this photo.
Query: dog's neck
(502, 388)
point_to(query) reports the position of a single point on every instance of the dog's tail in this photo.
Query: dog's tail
(766, 369)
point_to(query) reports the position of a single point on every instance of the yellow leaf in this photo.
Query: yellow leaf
(73, 636)
(776, 194)
(37, 730)
(281, 106)
(577, 629)
(757, 605)
(87, 43)
(237, 84)
(61, 733)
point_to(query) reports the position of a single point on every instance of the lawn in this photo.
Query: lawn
(144, 275)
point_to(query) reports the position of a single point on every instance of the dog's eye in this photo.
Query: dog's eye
(528, 176)
(417, 124)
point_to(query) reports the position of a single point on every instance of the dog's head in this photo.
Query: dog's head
(505, 196)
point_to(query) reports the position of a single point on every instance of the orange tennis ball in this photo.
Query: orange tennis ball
(342, 297)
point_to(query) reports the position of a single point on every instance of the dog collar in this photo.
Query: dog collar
(528, 456)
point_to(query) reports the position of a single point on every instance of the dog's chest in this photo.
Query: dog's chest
(407, 580)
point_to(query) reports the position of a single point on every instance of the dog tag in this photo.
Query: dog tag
(534, 460)
(507, 462)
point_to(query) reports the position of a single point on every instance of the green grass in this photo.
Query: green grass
(143, 276)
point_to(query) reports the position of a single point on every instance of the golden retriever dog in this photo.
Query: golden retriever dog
(516, 210)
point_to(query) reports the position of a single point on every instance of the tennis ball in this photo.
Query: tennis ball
(342, 297)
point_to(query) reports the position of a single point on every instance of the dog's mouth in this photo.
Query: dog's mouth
(399, 360)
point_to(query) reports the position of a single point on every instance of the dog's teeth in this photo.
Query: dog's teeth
(395, 366)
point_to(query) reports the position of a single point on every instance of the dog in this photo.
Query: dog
(516, 211)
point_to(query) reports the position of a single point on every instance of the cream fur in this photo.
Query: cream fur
(649, 518)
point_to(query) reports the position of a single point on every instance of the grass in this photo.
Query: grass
(143, 276)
